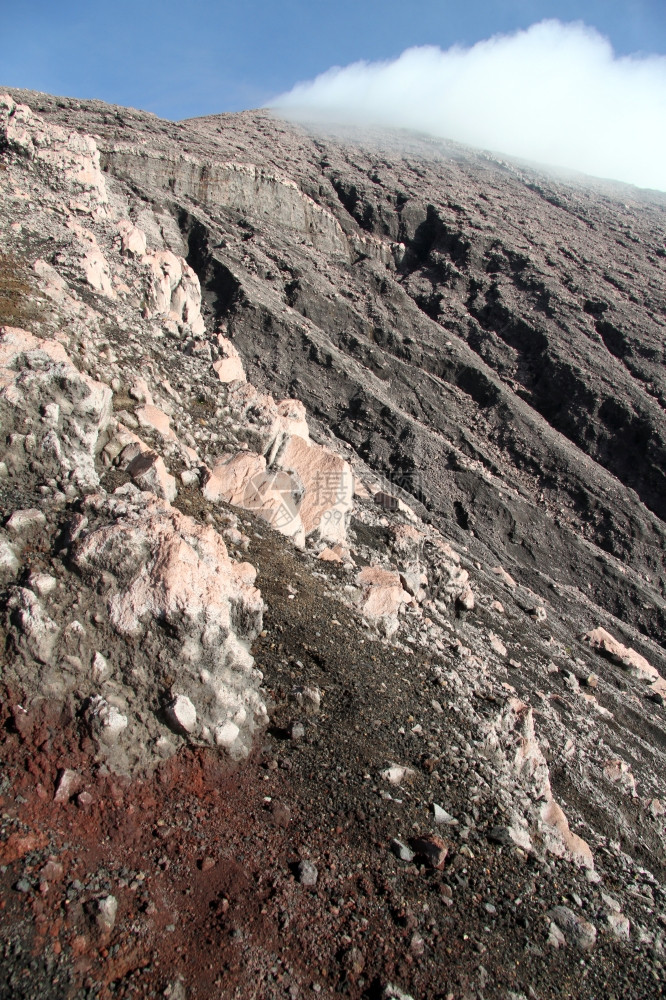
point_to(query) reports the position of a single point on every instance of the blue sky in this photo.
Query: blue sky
(200, 57)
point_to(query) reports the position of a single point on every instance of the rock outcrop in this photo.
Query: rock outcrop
(66, 161)
(248, 188)
(52, 416)
(162, 568)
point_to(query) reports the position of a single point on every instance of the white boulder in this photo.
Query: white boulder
(182, 714)
(52, 415)
(165, 569)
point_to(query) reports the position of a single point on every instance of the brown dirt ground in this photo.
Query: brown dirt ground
(201, 855)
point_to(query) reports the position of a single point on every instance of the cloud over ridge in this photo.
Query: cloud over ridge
(555, 93)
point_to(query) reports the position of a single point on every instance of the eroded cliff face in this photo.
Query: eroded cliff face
(432, 378)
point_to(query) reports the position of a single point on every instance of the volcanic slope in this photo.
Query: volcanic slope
(475, 328)
(467, 613)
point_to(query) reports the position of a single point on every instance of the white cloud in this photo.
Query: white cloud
(555, 93)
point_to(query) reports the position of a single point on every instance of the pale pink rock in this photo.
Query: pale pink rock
(361, 491)
(233, 535)
(123, 442)
(189, 455)
(231, 478)
(515, 832)
(572, 846)
(53, 285)
(38, 633)
(382, 592)
(83, 235)
(328, 555)
(243, 480)
(246, 573)
(619, 772)
(414, 580)
(14, 342)
(97, 273)
(496, 644)
(132, 239)
(229, 370)
(186, 302)
(154, 419)
(182, 714)
(166, 272)
(71, 308)
(530, 766)
(229, 366)
(263, 423)
(149, 472)
(140, 390)
(505, 577)
(186, 571)
(294, 418)
(173, 291)
(466, 600)
(406, 539)
(329, 487)
(68, 162)
(309, 489)
(458, 578)
(274, 496)
(68, 784)
(604, 642)
(528, 762)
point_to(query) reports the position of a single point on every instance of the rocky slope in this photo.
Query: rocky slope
(333, 565)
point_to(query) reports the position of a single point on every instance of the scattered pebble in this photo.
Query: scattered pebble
(307, 873)
(402, 851)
